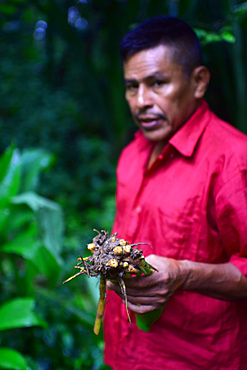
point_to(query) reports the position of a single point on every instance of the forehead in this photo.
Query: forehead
(150, 61)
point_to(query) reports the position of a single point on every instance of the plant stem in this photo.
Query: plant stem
(101, 305)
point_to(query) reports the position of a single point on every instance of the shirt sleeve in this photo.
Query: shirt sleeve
(231, 210)
(240, 263)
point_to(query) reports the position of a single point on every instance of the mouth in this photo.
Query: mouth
(150, 122)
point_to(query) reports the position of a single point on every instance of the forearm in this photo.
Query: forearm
(221, 281)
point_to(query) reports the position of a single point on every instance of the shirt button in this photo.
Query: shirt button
(138, 209)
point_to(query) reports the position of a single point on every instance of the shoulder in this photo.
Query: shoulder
(225, 149)
(225, 131)
(226, 141)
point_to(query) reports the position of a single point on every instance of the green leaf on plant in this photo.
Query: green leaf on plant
(46, 263)
(208, 37)
(5, 160)
(33, 161)
(228, 37)
(24, 244)
(19, 313)
(50, 220)
(10, 359)
(27, 246)
(10, 174)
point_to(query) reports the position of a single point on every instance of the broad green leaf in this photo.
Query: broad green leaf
(19, 313)
(228, 37)
(46, 263)
(10, 165)
(86, 317)
(4, 218)
(5, 160)
(93, 286)
(32, 162)
(27, 246)
(13, 219)
(34, 201)
(24, 244)
(10, 359)
(50, 219)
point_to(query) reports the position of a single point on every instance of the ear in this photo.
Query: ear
(201, 77)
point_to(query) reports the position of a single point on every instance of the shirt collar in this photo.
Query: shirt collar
(187, 137)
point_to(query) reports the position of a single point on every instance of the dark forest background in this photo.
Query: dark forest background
(63, 123)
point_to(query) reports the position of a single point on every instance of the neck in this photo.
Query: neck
(155, 152)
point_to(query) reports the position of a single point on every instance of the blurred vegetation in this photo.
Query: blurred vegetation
(63, 122)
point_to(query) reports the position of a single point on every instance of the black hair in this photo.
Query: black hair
(168, 31)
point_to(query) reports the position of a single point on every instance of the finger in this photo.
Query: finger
(134, 287)
(146, 301)
(134, 293)
(140, 283)
(112, 286)
(142, 308)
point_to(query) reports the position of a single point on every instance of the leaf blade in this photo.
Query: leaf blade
(19, 313)
(10, 359)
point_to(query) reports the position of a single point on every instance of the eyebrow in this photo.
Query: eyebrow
(155, 75)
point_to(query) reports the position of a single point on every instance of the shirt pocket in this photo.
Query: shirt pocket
(173, 232)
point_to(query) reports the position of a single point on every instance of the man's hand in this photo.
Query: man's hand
(146, 293)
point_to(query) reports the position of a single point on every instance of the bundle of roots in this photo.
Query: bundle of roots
(112, 259)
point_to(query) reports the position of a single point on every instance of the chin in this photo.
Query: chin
(157, 136)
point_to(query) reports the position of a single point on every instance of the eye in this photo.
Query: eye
(131, 88)
(158, 83)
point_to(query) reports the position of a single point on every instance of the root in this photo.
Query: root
(112, 259)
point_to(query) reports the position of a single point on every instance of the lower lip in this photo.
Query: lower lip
(149, 125)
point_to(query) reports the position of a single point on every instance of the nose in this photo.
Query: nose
(144, 99)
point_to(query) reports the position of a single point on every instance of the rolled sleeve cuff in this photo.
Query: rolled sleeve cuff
(240, 263)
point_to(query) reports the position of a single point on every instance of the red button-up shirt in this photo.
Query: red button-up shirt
(191, 204)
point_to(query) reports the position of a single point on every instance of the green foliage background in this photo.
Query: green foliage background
(63, 122)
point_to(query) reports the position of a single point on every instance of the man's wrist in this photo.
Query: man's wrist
(186, 271)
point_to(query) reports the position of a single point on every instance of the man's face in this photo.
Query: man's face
(161, 99)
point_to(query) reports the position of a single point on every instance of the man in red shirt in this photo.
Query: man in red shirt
(182, 188)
